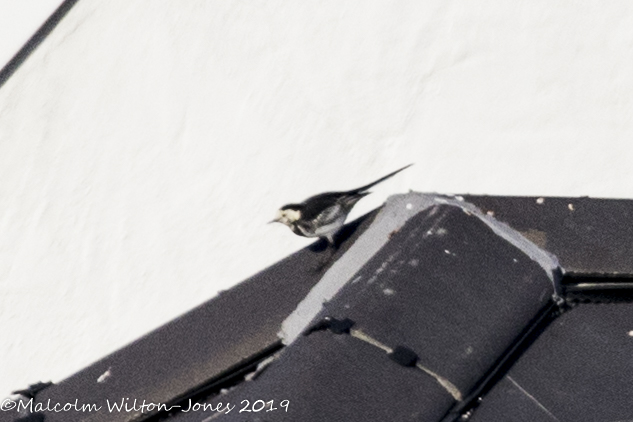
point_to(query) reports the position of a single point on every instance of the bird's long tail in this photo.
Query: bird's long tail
(382, 179)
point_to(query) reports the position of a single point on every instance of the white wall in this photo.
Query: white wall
(146, 143)
(19, 19)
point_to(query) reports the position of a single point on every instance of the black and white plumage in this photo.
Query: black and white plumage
(323, 215)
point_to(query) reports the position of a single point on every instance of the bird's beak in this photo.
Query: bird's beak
(276, 220)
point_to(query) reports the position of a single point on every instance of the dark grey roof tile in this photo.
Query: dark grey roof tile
(330, 377)
(579, 369)
(511, 403)
(589, 236)
(450, 289)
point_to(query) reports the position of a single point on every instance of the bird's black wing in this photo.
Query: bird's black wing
(320, 206)
(328, 207)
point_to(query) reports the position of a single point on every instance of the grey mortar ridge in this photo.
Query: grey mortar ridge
(392, 217)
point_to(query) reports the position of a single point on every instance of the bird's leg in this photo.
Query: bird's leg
(328, 253)
(330, 241)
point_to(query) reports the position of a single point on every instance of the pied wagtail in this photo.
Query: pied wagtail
(323, 215)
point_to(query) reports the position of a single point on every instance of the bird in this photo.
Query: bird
(323, 215)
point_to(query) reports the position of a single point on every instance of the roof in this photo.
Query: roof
(434, 308)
